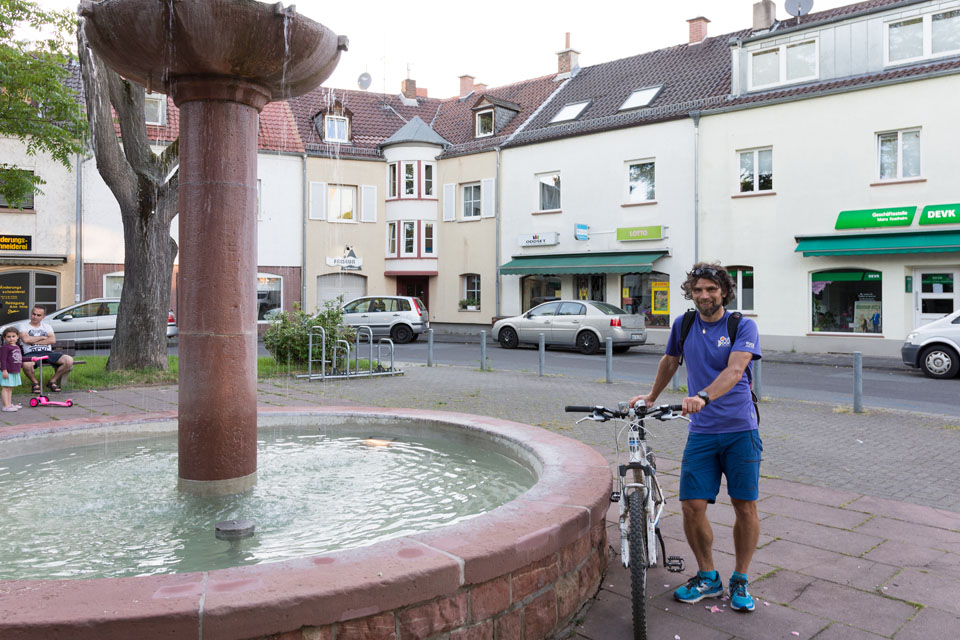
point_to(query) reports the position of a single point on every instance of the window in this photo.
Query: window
(640, 98)
(756, 170)
(428, 245)
(930, 35)
(113, 284)
(155, 109)
(471, 291)
(548, 309)
(572, 309)
(471, 201)
(898, 154)
(743, 279)
(846, 301)
(570, 111)
(23, 289)
(647, 294)
(409, 240)
(336, 129)
(392, 180)
(269, 295)
(341, 203)
(484, 123)
(429, 171)
(22, 178)
(549, 185)
(539, 289)
(641, 181)
(408, 187)
(591, 287)
(391, 238)
(786, 64)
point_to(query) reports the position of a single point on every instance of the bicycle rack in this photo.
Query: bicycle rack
(343, 346)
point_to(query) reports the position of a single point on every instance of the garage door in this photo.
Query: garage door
(331, 285)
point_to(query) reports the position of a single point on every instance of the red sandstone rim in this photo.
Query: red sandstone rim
(567, 503)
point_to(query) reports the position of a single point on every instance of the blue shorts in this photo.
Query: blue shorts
(736, 455)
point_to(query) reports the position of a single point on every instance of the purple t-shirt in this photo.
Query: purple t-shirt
(706, 353)
(10, 358)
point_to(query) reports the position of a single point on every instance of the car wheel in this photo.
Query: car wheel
(508, 338)
(401, 334)
(939, 362)
(588, 342)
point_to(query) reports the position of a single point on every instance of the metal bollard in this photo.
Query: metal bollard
(757, 376)
(543, 354)
(429, 347)
(857, 382)
(483, 350)
(609, 354)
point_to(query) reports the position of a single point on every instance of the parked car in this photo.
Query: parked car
(93, 321)
(935, 347)
(402, 318)
(584, 324)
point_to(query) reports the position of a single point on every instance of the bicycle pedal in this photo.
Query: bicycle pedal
(615, 496)
(675, 564)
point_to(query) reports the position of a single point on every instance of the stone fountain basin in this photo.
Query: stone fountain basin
(521, 570)
(275, 48)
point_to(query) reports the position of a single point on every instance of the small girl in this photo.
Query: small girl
(10, 362)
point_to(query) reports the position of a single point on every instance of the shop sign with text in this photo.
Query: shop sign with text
(15, 243)
(581, 231)
(941, 214)
(351, 263)
(625, 234)
(866, 218)
(539, 239)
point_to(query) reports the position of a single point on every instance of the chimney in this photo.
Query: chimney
(479, 88)
(698, 29)
(421, 93)
(466, 85)
(409, 88)
(764, 15)
(568, 59)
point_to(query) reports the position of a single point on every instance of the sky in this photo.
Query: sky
(502, 41)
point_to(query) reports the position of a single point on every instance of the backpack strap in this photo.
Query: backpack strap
(733, 322)
(688, 317)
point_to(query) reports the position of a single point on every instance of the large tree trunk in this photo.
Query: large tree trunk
(145, 186)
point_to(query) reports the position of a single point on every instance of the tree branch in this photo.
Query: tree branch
(127, 98)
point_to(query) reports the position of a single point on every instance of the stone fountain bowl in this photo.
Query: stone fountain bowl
(153, 42)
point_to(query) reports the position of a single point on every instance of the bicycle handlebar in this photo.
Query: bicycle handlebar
(603, 414)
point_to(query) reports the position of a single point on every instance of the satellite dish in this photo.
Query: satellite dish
(798, 8)
(364, 81)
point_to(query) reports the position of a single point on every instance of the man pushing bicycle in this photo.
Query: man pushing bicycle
(719, 348)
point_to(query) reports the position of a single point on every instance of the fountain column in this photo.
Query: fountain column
(218, 268)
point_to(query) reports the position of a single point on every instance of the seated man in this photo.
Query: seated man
(36, 339)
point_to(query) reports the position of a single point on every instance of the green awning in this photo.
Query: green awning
(862, 244)
(626, 262)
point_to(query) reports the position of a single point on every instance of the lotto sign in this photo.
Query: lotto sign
(625, 234)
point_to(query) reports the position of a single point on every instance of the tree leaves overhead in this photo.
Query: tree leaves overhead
(37, 106)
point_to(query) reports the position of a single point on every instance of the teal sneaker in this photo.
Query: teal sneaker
(699, 587)
(740, 598)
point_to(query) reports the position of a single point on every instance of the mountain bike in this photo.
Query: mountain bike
(640, 498)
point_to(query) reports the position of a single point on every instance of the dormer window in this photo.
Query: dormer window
(336, 129)
(927, 36)
(570, 111)
(640, 98)
(484, 122)
(155, 109)
(786, 64)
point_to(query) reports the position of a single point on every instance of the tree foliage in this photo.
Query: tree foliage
(36, 104)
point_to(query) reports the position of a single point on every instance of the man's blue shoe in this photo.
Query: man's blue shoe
(740, 598)
(701, 586)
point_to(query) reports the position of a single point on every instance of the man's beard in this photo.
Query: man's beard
(707, 308)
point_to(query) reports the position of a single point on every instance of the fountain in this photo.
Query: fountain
(521, 570)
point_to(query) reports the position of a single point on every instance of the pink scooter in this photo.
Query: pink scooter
(42, 400)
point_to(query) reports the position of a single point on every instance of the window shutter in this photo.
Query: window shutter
(487, 198)
(368, 204)
(449, 202)
(318, 200)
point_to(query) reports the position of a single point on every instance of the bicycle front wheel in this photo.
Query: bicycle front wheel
(638, 564)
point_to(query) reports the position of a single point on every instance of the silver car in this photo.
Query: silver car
(585, 324)
(403, 318)
(93, 321)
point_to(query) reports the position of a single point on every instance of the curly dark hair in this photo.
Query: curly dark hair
(710, 271)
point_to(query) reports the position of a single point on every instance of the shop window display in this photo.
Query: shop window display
(539, 289)
(647, 294)
(847, 301)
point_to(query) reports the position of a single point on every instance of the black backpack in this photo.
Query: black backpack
(733, 323)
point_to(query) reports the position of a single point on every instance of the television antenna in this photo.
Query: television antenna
(798, 8)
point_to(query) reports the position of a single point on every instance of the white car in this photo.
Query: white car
(584, 324)
(403, 318)
(93, 321)
(935, 347)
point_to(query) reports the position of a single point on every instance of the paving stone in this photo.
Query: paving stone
(610, 617)
(853, 572)
(817, 495)
(912, 532)
(926, 588)
(869, 611)
(929, 624)
(903, 554)
(783, 587)
(840, 631)
(793, 555)
(830, 538)
(812, 512)
(946, 565)
(905, 511)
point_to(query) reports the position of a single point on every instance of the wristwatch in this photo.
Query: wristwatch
(703, 396)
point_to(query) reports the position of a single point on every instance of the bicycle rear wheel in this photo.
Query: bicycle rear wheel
(638, 563)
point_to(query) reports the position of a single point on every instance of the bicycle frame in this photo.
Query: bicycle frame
(645, 485)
